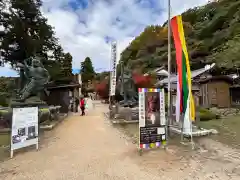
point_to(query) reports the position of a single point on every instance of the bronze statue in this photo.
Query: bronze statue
(128, 89)
(36, 77)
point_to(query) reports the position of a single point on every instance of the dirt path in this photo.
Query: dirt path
(89, 148)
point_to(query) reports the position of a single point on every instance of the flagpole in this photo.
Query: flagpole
(169, 69)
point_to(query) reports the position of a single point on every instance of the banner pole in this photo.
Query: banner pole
(169, 121)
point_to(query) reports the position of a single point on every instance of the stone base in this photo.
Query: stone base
(128, 104)
(124, 113)
(195, 131)
(45, 112)
(32, 101)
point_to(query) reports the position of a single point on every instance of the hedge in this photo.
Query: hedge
(206, 115)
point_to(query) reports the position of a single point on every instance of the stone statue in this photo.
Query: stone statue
(36, 77)
(128, 89)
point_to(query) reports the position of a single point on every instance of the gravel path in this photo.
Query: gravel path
(89, 148)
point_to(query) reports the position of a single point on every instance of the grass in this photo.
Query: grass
(3, 111)
(4, 142)
(132, 131)
(4, 139)
(228, 128)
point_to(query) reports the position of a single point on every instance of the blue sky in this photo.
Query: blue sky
(86, 27)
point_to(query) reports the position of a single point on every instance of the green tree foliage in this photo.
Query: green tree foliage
(66, 67)
(87, 70)
(101, 76)
(212, 35)
(27, 33)
(54, 69)
(7, 85)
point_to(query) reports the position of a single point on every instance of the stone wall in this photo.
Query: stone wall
(224, 112)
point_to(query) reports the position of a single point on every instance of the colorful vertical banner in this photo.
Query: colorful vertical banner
(152, 118)
(184, 87)
(113, 71)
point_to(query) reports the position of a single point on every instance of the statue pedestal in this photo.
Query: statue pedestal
(44, 113)
(32, 101)
(125, 113)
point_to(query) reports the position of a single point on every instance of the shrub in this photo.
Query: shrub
(3, 99)
(206, 115)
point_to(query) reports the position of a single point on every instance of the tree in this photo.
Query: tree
(7, 86)
(87, 71)
(54, 69)
(211, 35)
(101, 76)
(27, 31)
(66, 67)
(102, 89)
(143, 81)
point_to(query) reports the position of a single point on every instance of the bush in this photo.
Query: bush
(206, 115)
(3, 99)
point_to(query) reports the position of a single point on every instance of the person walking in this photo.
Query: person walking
(82, 106)
(76, 104)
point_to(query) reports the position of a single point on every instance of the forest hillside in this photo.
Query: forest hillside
(212, 34)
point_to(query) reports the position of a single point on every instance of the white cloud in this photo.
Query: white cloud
(83, 31)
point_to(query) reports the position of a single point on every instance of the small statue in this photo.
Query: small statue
(36, 77)
(128, 89)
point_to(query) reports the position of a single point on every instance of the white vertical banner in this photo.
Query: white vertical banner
(142, 115)
(162, 107)
(178, 101)
(187, 123)
(113, 71)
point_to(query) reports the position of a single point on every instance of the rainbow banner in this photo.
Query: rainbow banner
(184, 89)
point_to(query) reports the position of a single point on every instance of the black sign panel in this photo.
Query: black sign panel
(149, 135)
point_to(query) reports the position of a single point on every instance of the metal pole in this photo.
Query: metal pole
(121, 75)
(110, 81)
(169, 68)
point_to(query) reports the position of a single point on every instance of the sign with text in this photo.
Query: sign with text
(152, 119)
(113, 71)
(24, 128)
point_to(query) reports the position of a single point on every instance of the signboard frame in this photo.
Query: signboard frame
(24, 130)
(152, 119)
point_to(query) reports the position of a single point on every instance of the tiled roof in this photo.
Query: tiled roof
(195, 73)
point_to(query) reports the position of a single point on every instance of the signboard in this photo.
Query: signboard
(24, 128)
(113, 72)
(152, 119)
